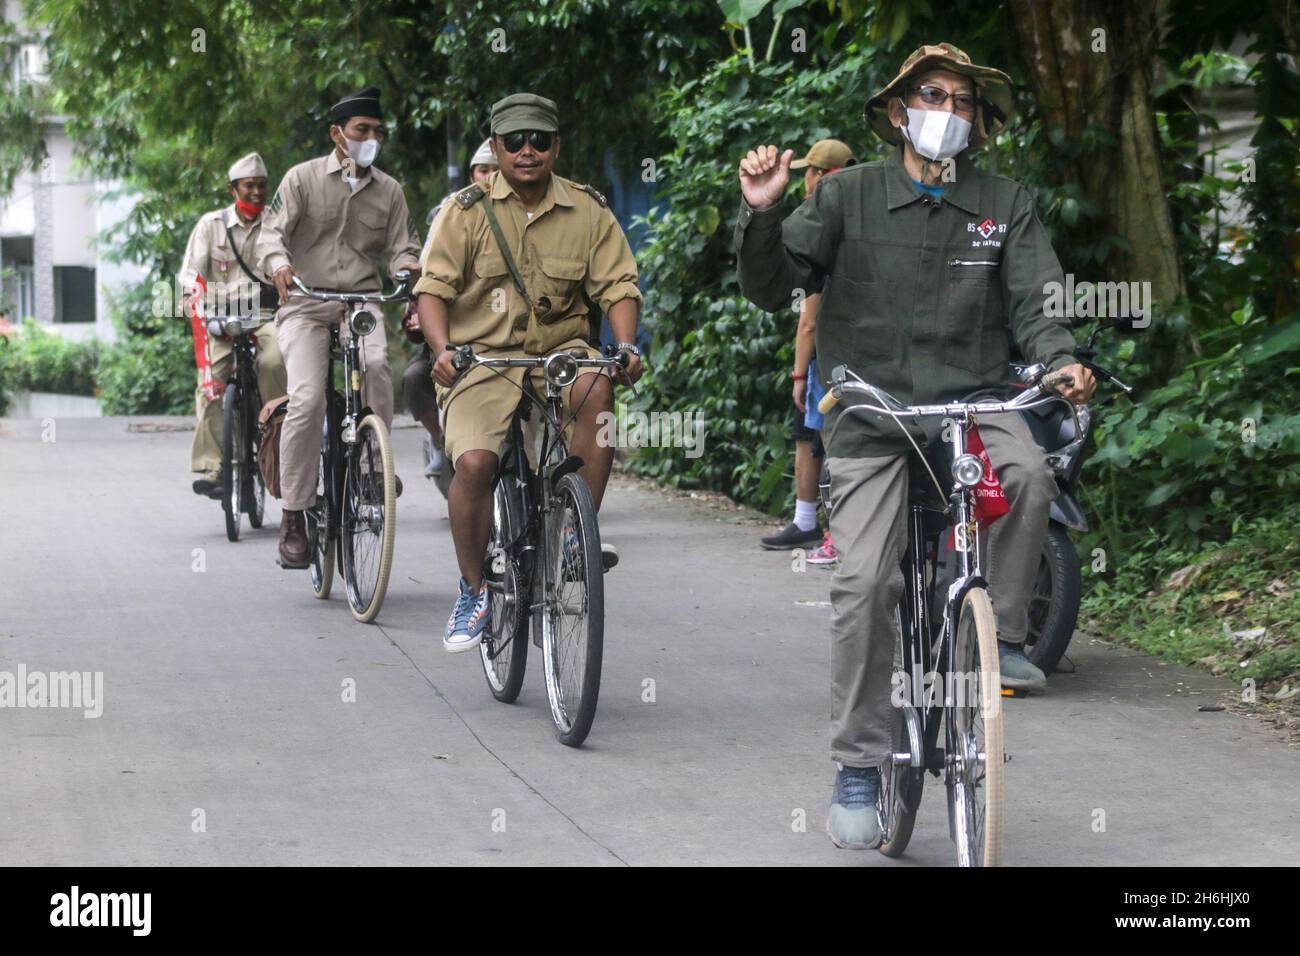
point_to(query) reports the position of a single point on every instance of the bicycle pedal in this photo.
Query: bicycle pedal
(1013, 692)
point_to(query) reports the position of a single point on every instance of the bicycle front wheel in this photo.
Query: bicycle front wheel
(975, 759)
(232, 460)
(369, 522)
(573, 610)
(254, 486)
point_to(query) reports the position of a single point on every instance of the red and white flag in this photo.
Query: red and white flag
(198, 324)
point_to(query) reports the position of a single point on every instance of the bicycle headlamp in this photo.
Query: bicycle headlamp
(968, 470)
(216, 327)
(561, 368)
(362, 322)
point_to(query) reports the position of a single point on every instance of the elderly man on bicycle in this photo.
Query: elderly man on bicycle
(926, 262)
(331, 218)
(508, 269)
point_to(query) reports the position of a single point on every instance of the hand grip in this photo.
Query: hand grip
(828, 402)
(1053, 379)
(463, 358)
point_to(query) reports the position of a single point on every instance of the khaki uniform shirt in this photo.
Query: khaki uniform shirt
(209, 254)
(332, 236)
(921, 294)
(571, 244)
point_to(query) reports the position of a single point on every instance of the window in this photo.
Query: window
(74, 294)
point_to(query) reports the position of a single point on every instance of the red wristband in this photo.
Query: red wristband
(798, 378)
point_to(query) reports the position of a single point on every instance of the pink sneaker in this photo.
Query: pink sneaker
(825, 554)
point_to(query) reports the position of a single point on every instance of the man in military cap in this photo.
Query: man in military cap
(563, 241)
(927, 263)
(330, 219)
(417, 382)
(222, 250)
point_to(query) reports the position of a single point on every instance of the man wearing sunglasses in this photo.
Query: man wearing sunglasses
(331, 220)
(927, 262)
(562, 242)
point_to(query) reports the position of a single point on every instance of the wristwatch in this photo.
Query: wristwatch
(629, 347)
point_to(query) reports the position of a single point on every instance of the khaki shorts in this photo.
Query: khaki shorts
(477, 409)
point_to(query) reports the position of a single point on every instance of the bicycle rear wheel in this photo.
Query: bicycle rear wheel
(369, 523)
(901, 784)
(975, 756)
(254, 486)
(504, 648)
(320, 544)
(232, 459)
(573, 612)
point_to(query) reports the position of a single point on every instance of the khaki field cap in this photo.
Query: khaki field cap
(524, 111)
(826, 154)
(992, 87)
(247, 167)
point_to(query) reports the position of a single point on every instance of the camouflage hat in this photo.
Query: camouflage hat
(993, 91)
(524, 111)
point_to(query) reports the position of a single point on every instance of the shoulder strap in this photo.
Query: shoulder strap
(240, 259)
(468, 196)
(505, 253)
(594, 193)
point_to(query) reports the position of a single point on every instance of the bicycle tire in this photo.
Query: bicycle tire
(504, 649)
(1054, 601)
(572, 657)
(369, 503)
(976, 797)
(254, 486)
(232, 469)
(901, 785)
(319, 545)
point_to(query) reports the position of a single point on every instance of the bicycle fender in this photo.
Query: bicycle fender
(570, 464)
(1066, 511)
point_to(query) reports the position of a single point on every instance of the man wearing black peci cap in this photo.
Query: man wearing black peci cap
(331, 218)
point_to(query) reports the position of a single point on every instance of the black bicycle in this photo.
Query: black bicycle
(355, 513)
(946, 670)
(242, 489)
(543, 559)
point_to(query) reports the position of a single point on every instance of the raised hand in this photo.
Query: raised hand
(764, 173)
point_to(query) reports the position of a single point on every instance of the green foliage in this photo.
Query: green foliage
(1205, 605)
(33, 359)
(149, 370)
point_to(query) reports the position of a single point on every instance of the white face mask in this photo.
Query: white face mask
(936, 135)
(362, 152)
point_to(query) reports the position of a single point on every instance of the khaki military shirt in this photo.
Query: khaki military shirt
(210, 254)
(331, 235)
(921, 294)
(571, 244)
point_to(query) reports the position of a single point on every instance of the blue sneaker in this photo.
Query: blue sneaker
(468, 619)
(854, 820)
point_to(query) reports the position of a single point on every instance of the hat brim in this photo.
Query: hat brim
(800, 164)
(515, 125)
(994, 88)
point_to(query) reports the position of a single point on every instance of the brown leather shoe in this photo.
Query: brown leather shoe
(293, 540)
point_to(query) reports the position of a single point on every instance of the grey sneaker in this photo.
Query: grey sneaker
(854, 820)
(433, 459)
(792, 537)
(1018, 671)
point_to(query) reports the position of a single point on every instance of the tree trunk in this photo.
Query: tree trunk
(1077, 86)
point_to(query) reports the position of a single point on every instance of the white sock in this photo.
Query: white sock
(805, 515)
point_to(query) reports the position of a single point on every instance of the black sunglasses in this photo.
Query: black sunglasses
(541, 141)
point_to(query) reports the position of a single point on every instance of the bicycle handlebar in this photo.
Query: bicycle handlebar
(464, 357)
(401, 292)
(1030, 398)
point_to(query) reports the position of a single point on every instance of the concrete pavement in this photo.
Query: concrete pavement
(225, 737)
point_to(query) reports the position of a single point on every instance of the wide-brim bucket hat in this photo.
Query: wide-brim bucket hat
(993, 89)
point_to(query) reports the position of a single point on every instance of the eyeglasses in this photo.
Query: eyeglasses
(934, 96)
(540, 140)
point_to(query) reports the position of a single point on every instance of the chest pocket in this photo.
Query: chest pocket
(558, 296)
(322, 211)
(974, 320)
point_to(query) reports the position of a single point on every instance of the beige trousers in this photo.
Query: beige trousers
(869, 527)
(205, 453)
(303, 327)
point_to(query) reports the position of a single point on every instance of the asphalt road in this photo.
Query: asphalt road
(225, 737)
